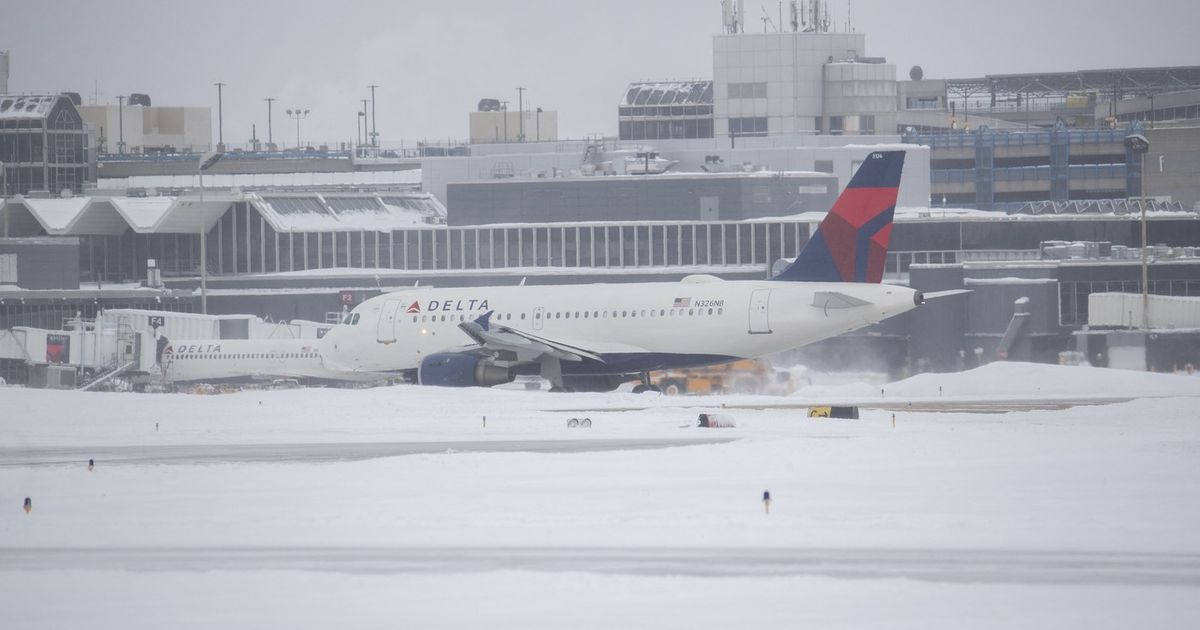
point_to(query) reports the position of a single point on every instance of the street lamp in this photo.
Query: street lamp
(206, 162)
(3, 194)
(364, 120)
(504, 111)
(220, 119)
(521, 114)
(121, 124)
(374, 134)
(539, 124)
(1138, 144)
(270, 139)
(362, 129)
(298, 115)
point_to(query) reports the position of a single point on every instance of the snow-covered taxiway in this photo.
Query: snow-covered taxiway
(398, 507)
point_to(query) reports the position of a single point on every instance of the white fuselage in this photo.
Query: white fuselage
(213, 360)
(635, 327)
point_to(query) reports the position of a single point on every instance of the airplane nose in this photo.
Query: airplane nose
(918, 298)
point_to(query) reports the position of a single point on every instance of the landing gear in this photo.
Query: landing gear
(646, 385)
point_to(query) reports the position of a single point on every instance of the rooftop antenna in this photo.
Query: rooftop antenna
(794, 15)
(766, 19)
(849, 21)
(732, 15)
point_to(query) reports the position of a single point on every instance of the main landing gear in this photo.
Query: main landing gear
(646, 385)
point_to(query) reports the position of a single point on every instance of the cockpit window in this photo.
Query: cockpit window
(351, 319)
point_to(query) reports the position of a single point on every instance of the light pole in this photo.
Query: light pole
(361, 121)
(220, 119)
(206, 162)
(1138, 145)
(3, 194)
(374, 134)
(521, 114)
(270, 139)
(120, 124)
(364, 119)
(504, 110)
(298, 115)
(539, 124)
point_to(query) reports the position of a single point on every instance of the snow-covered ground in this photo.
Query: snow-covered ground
(233, 512)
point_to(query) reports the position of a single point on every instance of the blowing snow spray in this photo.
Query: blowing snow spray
(766, 502)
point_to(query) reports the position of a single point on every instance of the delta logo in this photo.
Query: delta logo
(415, 307)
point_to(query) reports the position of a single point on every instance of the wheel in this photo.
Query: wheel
(674, 388)
(573, 422)
(586, 423)
(639, 389)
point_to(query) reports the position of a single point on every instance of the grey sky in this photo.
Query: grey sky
(435, 60)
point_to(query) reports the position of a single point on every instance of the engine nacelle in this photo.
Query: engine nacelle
(462, 369)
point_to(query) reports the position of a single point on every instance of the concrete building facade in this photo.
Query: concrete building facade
(683, 197)
(149, 129)
(776, 83)
(504, 125)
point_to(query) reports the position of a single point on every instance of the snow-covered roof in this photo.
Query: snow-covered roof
(313, 212)
(27, 106)
(669, 93)
(113, 215)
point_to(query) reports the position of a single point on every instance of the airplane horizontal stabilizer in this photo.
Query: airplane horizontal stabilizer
(833, 299)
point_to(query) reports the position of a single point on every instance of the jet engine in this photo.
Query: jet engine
(462, 369)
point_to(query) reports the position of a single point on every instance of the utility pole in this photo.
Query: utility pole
(270, 139)
(521, 114)
(220, 119)
(120, 124)
(374, 134)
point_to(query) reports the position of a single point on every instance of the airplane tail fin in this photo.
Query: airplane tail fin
(852, 241)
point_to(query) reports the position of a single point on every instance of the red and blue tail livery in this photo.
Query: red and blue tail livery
(851, 244)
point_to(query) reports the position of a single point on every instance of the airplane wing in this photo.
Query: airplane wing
(526, 346)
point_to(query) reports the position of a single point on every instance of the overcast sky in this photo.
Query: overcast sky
(435, 60)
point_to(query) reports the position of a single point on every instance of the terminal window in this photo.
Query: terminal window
(748, 126)
(748, 90)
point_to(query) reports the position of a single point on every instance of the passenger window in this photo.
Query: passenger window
(414, 319)
(522, 315)
(596, 314)
(691, 311)
(662, 312)
(720, 311)
(624, 313)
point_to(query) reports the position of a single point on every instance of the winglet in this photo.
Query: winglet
(483, 320)
(852, 241)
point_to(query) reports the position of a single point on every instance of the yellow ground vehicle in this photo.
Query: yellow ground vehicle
(748, 376)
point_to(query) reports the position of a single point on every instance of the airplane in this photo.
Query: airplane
(595, 336)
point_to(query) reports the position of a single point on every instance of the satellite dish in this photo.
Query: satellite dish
(916, 73)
